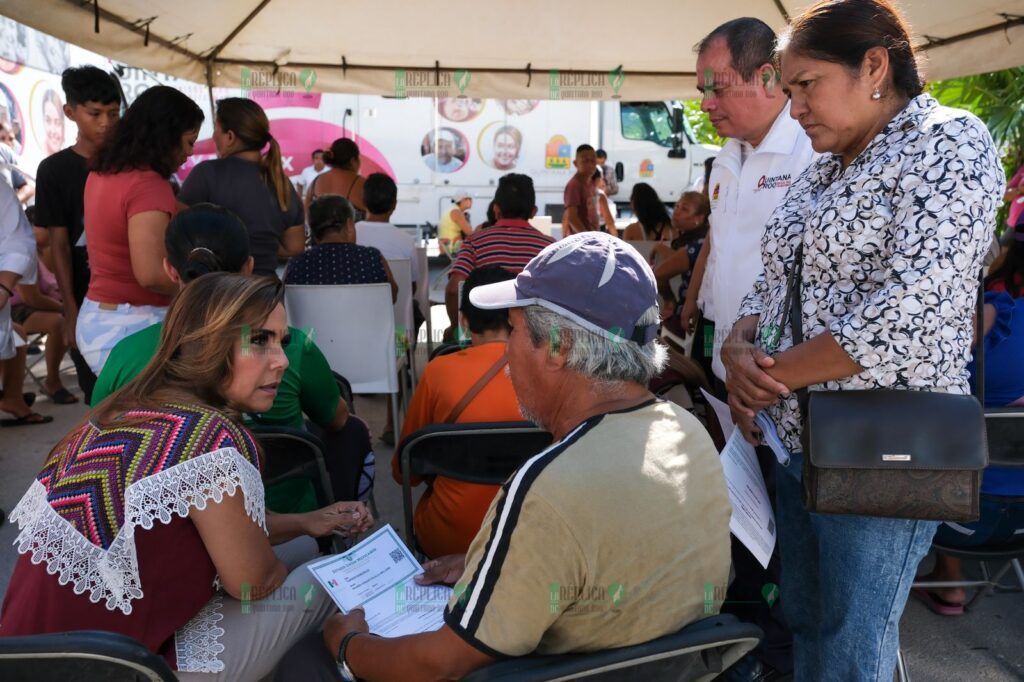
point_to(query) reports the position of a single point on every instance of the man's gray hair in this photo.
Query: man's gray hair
(602, 357)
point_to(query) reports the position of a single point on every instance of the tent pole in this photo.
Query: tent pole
(209, 85)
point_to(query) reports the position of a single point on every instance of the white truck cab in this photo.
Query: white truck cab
(651, 142)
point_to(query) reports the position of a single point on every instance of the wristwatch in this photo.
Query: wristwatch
(343, 668)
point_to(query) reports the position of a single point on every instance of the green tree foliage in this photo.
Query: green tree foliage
(997, 98)
(698, 120)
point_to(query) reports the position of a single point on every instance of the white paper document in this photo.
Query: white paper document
(752, 521)
(723, 413)
(377, 576)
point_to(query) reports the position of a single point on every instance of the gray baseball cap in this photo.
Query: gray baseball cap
(596, 280)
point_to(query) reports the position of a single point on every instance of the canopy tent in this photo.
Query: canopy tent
(534, 49)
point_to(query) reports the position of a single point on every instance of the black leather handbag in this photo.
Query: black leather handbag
(890, 453)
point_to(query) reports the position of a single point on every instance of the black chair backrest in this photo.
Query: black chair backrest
(444, 349)
(1005, 427)
(288, 453)
(83, 655)
(476, 453)
(699, 651)
(345, 388)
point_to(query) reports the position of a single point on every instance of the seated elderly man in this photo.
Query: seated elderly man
(609, 537)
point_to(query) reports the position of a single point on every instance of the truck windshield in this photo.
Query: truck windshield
(649, 121)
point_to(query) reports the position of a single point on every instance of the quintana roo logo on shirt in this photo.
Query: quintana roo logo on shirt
(714, 192)
(773, 182)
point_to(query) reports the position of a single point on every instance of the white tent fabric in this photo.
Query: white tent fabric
(535, 49)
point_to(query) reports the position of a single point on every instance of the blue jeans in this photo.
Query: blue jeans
(845, 582)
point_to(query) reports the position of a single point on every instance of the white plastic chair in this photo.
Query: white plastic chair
(542, 223)
(354, 327)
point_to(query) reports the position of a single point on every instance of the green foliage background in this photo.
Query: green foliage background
(698, 120)
(997, 98)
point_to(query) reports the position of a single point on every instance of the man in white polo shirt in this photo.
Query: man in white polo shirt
(766, 151)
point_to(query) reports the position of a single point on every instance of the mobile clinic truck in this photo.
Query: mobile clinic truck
(437, 148)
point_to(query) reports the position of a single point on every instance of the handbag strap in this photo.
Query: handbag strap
(792, 309)
(475, 389)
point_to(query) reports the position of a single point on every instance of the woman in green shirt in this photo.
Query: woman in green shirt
(207, 238)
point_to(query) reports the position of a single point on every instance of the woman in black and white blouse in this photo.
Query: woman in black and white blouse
(894, 219)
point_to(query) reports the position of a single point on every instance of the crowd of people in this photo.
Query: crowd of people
(150, 516)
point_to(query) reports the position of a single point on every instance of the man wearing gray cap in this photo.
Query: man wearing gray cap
(609, 537)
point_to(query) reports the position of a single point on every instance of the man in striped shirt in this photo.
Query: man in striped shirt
(510, 243)
(616, 534)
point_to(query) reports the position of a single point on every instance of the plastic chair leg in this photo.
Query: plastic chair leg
(902, 674)
(1020, 572)
(397, 413)
(372, 504)
(405, 389)
(990, 586)
(34, 361)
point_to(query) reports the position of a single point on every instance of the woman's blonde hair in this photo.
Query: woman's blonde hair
(249, 123)
(195, 358)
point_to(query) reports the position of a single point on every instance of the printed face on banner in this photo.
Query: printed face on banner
(499, 145)
(445, 152)
(460, 109)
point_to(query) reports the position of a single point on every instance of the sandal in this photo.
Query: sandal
(63, 396)
(29, 419)
(937, 604)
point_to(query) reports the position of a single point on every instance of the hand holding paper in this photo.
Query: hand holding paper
(445, 570)
(377, 575)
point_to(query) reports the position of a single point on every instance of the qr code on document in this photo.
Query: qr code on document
(397, 555)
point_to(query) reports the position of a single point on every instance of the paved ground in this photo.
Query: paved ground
(985, 644)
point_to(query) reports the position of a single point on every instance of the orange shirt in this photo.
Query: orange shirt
(449, 513)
